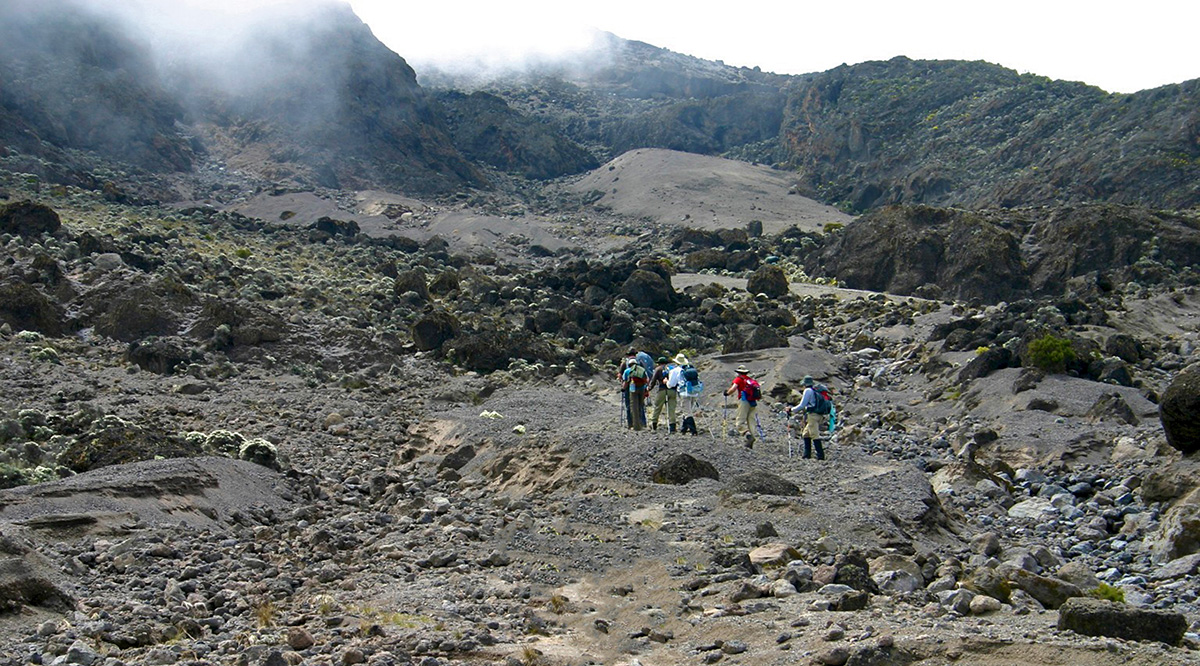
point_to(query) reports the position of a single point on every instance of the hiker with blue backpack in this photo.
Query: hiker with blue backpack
(817, 407)
(749, 393)
(685, 380)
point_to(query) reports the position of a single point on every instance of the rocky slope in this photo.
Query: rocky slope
(432, 467)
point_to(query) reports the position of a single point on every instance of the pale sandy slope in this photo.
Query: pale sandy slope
(703, 192)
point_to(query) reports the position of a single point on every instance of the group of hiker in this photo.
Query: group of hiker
(666, 382)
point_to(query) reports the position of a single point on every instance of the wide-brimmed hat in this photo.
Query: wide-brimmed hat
(661, 359)
(808, 380)
(681, 359)
(742, 370)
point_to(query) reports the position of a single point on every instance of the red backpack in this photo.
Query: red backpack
(753, 391)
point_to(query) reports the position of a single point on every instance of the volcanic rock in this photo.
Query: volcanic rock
(28, 219)
(1098, 617)
(683, 468)
(1179, 411)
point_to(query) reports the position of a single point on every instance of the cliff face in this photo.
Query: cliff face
(72, 79)
(973, 134)
(313, 98)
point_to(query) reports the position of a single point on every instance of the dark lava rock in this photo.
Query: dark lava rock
(138, 312)
(1112, 407)
(683, 468)
(1124, 346)
(1111, 370)
(984, 364)
(434, 330)
(25, 308)
(111, 441)
(1179, 411)
(457, 458)
(705, 258)
(414, 281)
(26, 218)
(647, 289)
(237, 324)
(485, 128)
(769, 280)
(344, 228)
(161, 355)
(898, 249)
(1098, 617)
(762, 483)
(27, 578)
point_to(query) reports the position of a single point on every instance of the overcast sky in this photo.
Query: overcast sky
(1118, 46)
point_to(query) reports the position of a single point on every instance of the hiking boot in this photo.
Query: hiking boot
(654, 426)
(749, 441)
(672, 430)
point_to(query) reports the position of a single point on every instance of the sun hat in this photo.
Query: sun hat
(808, 380)
(681, 359)
(743, 370)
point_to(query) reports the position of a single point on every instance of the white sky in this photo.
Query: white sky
(1118, 46)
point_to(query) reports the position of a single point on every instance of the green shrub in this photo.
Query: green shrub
(1051, 353)
(833, 227)
(1108, 593)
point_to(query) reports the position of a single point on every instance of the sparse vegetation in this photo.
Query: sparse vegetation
(1108, 593)
(1051, 353)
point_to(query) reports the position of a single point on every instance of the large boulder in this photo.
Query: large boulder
(1180, 531)
(1098, 617)
(683, 469)
(25, 308)
(161, 355)
(899, 249)
(1179, 411)
(434, 330)
(1049, 592)
(647, 289)
(29, 579)
(770, 280)
(762, 483)
(26, 218)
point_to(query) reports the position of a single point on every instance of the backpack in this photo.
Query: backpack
(753, 391)
(823, 403)
(689, 381)
(637, 375)
(646, 362)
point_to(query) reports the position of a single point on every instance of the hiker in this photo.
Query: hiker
(664, 393)
(749, 393)
(687, 389)
(816, 406)
(634, 381)
(643, 359)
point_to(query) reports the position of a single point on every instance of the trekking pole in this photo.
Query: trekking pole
(712, 433)
(725, 421)
(787, 428)
(762, 434)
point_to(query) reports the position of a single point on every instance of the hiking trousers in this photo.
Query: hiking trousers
(745, 419)
(812, 425)
(637, 409)
(667, 397)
